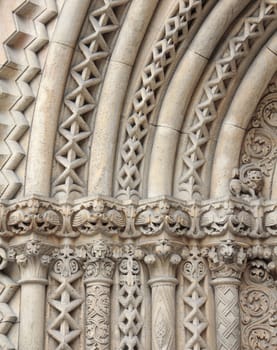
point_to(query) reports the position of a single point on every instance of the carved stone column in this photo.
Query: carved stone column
(130, 297)
(227, 261)
(162, 263)
(99, 269)
(65, 299)
(33, 264)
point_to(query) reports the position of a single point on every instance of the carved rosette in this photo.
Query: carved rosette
(227, 261)
(99, 269)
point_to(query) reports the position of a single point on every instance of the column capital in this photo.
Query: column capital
(226, 260)
(33, 259)
(162, 259)
(98, 265)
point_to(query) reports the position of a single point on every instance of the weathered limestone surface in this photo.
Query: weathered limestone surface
(138, 174)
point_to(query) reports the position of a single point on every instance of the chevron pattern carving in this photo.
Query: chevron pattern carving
(30, 20)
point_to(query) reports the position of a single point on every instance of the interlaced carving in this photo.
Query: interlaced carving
(227, 317)
(65, 299)
(215, 90)
(87, 75)
(30, 19)
(164, 52)
(195, 321)
(130, 299)
(258, 307)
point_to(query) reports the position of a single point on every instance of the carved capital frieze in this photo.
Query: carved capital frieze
(158, 216)
(32, 215)
(242, 217)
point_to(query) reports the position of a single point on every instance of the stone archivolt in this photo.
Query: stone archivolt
(127, 221)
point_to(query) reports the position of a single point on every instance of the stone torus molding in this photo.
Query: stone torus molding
(244, 217)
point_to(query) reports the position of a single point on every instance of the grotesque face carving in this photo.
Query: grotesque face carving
(254, 178)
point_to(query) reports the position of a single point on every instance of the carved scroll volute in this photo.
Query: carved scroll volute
(227, 261)
(162, 260)
(99, 270)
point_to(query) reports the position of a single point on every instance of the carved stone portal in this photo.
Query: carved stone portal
(138, 175)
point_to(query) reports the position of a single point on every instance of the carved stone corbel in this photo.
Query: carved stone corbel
(227, 261)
